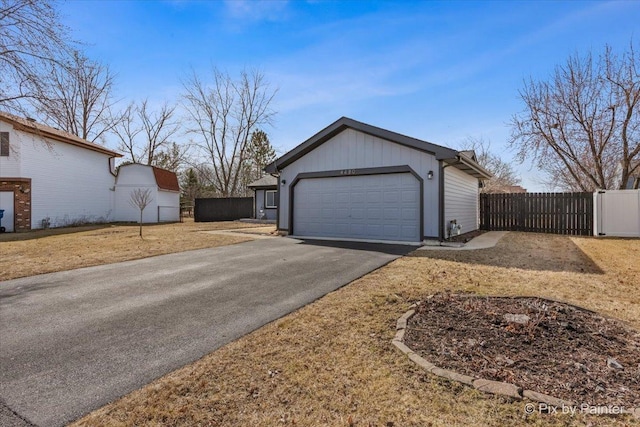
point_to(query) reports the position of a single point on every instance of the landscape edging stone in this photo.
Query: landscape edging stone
(484, 385)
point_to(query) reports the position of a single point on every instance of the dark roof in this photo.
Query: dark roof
(165, 179)
(33, 127)
(267, 181)
(441, 153)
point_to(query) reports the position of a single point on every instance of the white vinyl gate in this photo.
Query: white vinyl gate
(617, 213)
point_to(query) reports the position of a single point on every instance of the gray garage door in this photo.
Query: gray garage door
(373, 207)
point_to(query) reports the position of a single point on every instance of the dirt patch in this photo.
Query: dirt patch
(464, 238)
(537, 344)
(527, 251)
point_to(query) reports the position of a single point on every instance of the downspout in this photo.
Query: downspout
(441, 228)
(277, 175)
(112, 165)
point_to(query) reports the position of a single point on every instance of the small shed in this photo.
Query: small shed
(165, 194)
(265, 197)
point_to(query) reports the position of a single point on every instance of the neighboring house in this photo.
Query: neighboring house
(164, 188)
(50, 178)
(354, 181)
(265, 197)
(633, 183)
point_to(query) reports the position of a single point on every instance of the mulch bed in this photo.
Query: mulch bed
(541, 345)
(464, 238)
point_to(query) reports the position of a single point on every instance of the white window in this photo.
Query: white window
(4, 144)
(270, 199)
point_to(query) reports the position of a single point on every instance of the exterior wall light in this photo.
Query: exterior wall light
(430, 175)
(284, 181)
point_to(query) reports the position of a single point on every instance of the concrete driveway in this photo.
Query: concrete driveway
(74, 341)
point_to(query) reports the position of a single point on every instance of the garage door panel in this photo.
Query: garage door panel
(410, 196)
(358, 214)
(342, 213)
(357, 197)
(342, 197)
(410, 214)
(391, 197)
(375, 207)
(374, 213)
(374, 196)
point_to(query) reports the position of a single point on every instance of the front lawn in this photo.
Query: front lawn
(331, 363)
(59, 249)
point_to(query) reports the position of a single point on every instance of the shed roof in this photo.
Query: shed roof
(166, 179)
(450, 156)
(35, 128)
(267, 181)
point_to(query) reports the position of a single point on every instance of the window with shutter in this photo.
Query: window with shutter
(4, 144)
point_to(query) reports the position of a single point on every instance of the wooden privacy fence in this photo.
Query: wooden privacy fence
(223, 209)
(557, 213)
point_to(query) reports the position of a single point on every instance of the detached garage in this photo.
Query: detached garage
(353, 181)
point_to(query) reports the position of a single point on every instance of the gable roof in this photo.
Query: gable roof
(267, 181)
(450, 156)
(35, 128)
(166, 179)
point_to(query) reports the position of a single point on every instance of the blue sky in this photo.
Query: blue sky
(438, 71)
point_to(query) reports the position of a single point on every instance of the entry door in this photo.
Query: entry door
(6, 203)
(367, 207)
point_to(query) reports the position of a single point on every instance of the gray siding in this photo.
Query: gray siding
(352, 149)
(461, 196)
(259, 204)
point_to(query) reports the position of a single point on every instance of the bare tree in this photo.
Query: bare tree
(222, 116)
(582, 126)
(143, 133)
(504, 176)
(140, 198)
(77, 97)
(31, 39)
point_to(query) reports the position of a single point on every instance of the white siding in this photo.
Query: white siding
(352, 149)
(10, 165)
(461, 196)
(131, 177)
(69, 184)
(168, 206)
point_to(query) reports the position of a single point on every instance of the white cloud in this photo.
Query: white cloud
(255, 10)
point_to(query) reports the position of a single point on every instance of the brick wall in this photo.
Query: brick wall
(21, 188)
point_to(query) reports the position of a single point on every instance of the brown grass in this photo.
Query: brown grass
(331, 363)
(47, 251)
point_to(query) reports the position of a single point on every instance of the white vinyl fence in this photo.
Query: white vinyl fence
(617, 213)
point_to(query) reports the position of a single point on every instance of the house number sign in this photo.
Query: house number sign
(348, 172)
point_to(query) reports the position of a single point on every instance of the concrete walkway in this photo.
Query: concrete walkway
(483, 241)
